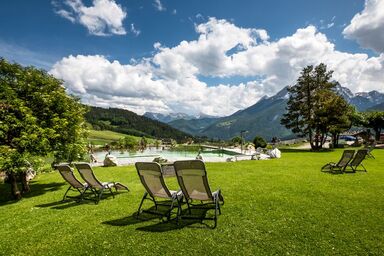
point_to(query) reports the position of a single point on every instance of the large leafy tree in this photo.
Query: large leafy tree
(37, 117)
(336, 115)
(375, 120)
(313, 106)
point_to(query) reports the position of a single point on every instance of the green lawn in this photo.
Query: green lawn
(277, 207)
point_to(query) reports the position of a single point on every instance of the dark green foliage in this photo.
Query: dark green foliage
(237, 140)
(127, 122)
(375, 120)
(127, 143)
(37, 117)
(259, 142)
(314, 109)
(336, 115)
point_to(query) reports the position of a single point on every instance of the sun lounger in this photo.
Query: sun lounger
(369, 149)
(74, 184)
(152, 179)
(341, 165)
(193, 181)
(358, 159)
(94, 184)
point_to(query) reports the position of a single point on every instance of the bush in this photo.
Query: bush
(259, 142)
(236, 140)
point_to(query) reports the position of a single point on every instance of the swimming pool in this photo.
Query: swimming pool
(130, 157)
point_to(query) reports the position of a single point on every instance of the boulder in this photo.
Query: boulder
(30, 174)
(275, 153)
(110, 160)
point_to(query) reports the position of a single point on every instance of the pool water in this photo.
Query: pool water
(130, 157)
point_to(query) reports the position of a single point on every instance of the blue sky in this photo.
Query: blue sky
(198, 56)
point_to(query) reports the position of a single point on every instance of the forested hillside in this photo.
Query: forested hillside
(127, 122)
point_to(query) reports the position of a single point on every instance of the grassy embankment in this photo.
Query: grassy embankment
(276, 207)
(105, 137)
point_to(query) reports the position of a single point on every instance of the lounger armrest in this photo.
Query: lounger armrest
(178, 194)
(217, 193)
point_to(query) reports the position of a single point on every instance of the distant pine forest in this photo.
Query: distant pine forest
(127, 122)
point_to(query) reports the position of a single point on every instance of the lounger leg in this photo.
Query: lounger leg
(170, 210)
(221, 198)
(113, 195)
(66, 192)
(218, 205)
(82, 194)
(100, 195)
(154, 201)
(141, 203)
(189, 208)
(178, 209)
(216, 210)
(363, 167)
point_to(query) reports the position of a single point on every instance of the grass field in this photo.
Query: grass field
(278, 207)
(103, 137)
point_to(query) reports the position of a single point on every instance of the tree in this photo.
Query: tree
(127, 143)
(37, 117)
(375, 120)
(237, 140)
(336, 115)
(310, 104)
(259, 142)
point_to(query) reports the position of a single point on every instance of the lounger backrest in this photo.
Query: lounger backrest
(359, 157)
(152, 179)
(67, 174)
(193, 181)
(87, 174)
(346, 158)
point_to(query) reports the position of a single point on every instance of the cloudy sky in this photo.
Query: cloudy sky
(202, 56)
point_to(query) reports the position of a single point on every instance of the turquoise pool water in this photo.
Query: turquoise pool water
(127, 157)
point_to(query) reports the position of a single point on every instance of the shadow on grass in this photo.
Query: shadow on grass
(197, 214)
(37, 189)
(75, 201)
(330, 171)
(132, 219)
(304, 150)
(187, 219)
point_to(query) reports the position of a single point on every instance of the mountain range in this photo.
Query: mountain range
(262, 118)
(128, 122)
(167, 118)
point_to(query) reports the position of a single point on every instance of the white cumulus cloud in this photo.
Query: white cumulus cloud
(173, 79)
(159, 6)
(104, 17)
(367, 27)
(134, 30)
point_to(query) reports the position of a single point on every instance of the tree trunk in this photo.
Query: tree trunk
(377, 133)
(311, 140)
(317, 143)
(334, 140)
(24, 182)
(12, 179)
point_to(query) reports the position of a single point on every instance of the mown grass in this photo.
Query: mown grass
(277, 207)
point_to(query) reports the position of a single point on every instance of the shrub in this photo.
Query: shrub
(259, 142)
(236, 140)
